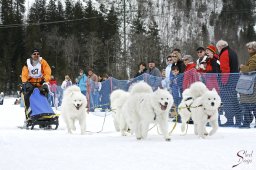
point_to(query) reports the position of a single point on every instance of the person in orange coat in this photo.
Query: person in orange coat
(35, 73)
(36, 70)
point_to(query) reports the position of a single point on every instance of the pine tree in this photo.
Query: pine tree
(153, 41)
(51, 14)
(69, 15)
(60, 17)
(138, 47)
(12, 44)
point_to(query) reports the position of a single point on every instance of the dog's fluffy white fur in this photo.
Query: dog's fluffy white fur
(184, 108)
(74, 108)
(205, 109)
(144, 106)
(117, 99)
(202, 105)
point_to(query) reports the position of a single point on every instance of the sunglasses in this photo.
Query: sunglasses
(36, 54)
(173, 56)
(169, 60)
(199, 52)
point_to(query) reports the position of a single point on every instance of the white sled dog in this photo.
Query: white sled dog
(184, 108)
(117, 100)
(201, 105)
(205, 109)
(74, 108)
(195, 90)
(144, 107)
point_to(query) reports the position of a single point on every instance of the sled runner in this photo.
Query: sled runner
(39, 111)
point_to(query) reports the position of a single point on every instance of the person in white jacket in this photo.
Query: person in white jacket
(66, 83)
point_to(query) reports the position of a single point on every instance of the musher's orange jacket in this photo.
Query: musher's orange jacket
(45, 70)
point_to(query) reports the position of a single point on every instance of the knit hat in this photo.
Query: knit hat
(212, 48)
(35, 50)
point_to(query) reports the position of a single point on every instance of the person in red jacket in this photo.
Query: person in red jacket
(212, 66)
(228, 65)
(190, 73)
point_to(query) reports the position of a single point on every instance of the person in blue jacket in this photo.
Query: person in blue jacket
(81, 81)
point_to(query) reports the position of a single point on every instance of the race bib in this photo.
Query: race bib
(34, 71)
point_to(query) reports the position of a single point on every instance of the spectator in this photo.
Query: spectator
(52, 98)
(176, 61)
(175, 85)
(81, 81)
(201, 61)
(190, 73)
(152, 70)
(248, 100)
(92, 90)
(66, 83)
(104, 92)
(1, 98)
(229, 64)
(168, 68)
(212, 66)
(165, 83)
(213, 63)
(17, 102)
(188, 62)
(142, 69)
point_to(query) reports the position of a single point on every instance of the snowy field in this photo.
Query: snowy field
(57, 150)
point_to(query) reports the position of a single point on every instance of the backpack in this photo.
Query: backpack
(246, 83)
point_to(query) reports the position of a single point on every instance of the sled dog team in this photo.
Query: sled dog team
(135, 110)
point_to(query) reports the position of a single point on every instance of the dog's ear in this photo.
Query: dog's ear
(214, 90)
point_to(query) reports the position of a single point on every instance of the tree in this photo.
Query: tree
(12, 43)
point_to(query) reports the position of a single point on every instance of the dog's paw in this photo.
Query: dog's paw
(206, 133)
(202, 136)
(123, 133)
(139, 138)
(211, 133)
(168, 139)
(73, 128)
(183, 127)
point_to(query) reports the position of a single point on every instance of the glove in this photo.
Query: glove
(44, 89)
(27, 87)
(42, 82)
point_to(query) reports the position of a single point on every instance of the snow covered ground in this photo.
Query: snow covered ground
(57, 150)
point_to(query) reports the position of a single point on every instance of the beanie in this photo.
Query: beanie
(212, 48)
(35, 50)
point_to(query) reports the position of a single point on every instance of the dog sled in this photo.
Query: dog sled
(38, 110)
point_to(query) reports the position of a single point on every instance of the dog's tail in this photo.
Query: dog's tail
(140, 87)
(197, 89)
(118, 97)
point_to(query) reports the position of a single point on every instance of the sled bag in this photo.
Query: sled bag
(39, 104)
